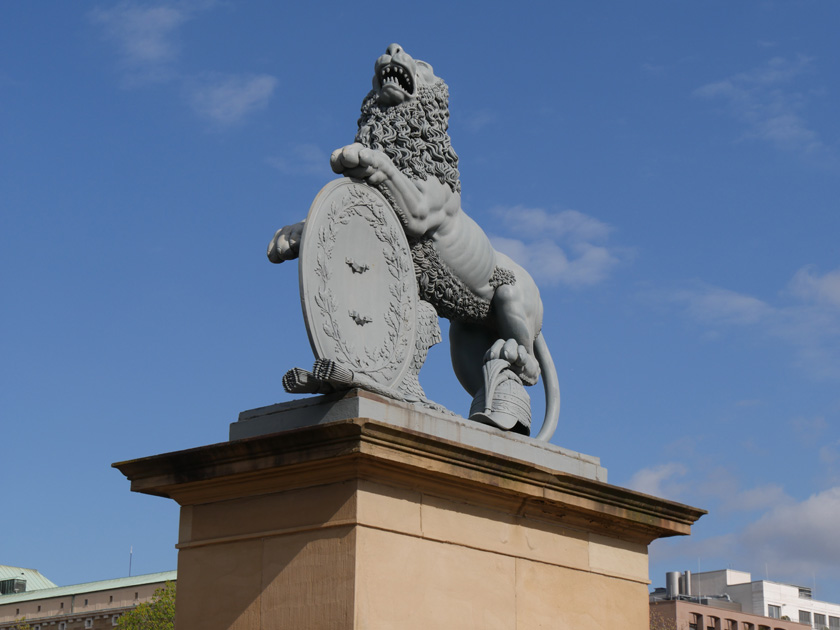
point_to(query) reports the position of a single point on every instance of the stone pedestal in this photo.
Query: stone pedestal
(346, 521)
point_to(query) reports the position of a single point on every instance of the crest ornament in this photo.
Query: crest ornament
(359, 296)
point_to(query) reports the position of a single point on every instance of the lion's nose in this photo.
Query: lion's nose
(393, 49)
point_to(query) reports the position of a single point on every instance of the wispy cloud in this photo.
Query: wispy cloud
(721, 306)
(145, 37)
(809, 431)
(227, 99)
(794, 539)
(148, 46)
(756, 499)
(660, 481)
(807, 316)
(302, 159)
(570, 248)
(823, 289)
(763, 100)
(480, 119)
(800, 536)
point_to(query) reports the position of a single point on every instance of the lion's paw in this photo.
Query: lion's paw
(286, 243)
(522, 362)
(356, 160)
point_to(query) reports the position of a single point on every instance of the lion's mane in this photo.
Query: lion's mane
(413, 134)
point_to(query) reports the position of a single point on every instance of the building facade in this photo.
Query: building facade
(90, 606)
(687, 614)
(772, 599)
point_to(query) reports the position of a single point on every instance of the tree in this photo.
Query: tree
(158, 614)
(660, 622)
(20, 624)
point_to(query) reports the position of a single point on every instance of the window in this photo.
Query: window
(695, 621)
(748, 626)
(62, 604)
(731, 624)
(12, 586)
(115, 620)
(774, 612)
(819, 620)
(136, 595)
(62, 625)
(85, 601)
(834, 622)
(39, 609)
(805, 616)
(111, 601)
(714, 623)
(89, 622)
(804, 593)
(763, 627)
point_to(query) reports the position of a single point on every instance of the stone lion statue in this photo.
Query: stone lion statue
(403, 149)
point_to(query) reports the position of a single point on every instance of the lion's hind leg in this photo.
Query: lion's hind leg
(498, 396)
(468, 344)
(516, 321)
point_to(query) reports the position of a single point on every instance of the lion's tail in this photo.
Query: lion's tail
(551, 384)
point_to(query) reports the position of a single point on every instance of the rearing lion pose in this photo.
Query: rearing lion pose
(403, 149)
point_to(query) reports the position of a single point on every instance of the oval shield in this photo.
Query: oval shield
(357, 284)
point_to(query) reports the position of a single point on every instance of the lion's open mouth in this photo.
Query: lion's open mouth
(396, 75)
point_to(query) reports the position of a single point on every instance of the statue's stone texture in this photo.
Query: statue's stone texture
(361, 320)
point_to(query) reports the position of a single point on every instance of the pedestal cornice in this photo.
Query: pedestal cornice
(361, 448)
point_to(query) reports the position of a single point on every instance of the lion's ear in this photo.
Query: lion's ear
(425, 71)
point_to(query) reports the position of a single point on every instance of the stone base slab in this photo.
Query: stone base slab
(361, 524)
(362, 404)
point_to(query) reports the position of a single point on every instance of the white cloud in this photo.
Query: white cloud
(567, 223)
(145, 37)
(821, 289)
(811, 324)
(795, 539)
(566, 249)
(659, 481)
(721, 306)
(303, 159)
(756, 499)
(800, 536)
(763, 101)
(227, 99)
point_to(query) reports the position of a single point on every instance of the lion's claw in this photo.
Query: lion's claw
(522, 362)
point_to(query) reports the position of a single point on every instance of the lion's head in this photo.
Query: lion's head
(406, 115)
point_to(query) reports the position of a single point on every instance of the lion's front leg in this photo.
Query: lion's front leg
(424, 204)
(356, 160)
(286, 243)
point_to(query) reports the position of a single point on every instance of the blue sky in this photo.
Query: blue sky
(668, 171)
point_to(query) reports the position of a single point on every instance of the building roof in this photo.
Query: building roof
(34, 580)
(89, 587)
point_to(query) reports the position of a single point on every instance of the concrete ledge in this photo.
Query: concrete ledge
(361, 404)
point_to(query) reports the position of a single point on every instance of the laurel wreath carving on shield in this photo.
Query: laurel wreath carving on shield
(378, 360)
